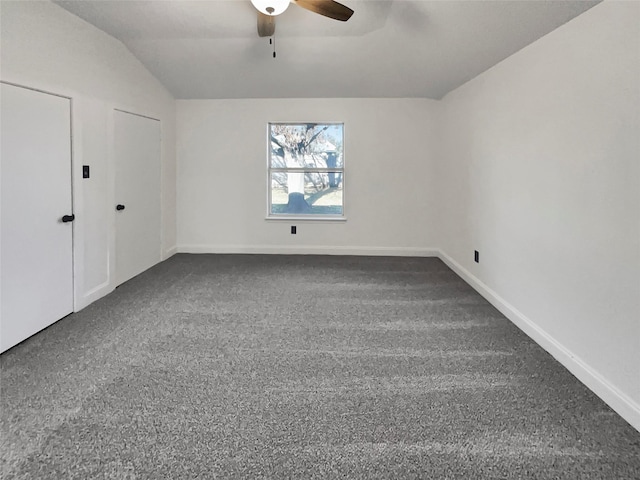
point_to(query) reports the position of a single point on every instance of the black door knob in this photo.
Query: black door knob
(119, 207)
(68, 218)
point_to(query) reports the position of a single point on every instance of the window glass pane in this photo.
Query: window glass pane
(306, 193)
(309, 160)
(308, 145)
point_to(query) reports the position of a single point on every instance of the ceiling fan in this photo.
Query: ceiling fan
(269, 9)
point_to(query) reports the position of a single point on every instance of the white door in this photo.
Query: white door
(138, 221)
(36, 285)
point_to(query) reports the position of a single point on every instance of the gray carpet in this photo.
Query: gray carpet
(240, 366)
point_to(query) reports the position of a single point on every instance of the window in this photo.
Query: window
(306, 170)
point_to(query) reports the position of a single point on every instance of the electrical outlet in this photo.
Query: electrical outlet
(293, 230)
(476, 256)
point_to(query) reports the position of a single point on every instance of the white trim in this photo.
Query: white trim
(312, 250)
(136, 114)
(305, 218)
(110, 172)
(94, 294)
(13, 84)
(77, 200)
(169, 253)
(625, 406)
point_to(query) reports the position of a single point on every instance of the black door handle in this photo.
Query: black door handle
(119, 207)
(68, 218)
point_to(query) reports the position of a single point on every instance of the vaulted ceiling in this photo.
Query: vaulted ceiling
(401, 48)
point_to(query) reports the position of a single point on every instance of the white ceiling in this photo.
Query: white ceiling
(401, 48)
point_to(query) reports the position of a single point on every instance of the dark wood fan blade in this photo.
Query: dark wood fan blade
(266, 25)
(328, 8)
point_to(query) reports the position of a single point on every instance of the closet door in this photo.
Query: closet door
(36, 284)
(138, 217)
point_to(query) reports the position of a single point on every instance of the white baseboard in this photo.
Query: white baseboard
(626, 407)
(311, 250)
(93, 295)
(170, 252)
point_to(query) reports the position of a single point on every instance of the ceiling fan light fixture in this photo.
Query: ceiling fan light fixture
(271, 7)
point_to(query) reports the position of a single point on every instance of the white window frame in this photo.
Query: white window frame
(270, 170)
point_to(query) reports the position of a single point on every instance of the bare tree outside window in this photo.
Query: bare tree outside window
(306, 169)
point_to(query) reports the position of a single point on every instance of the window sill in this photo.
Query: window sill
(305, 218)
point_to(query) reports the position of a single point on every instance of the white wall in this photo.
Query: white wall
(390, 199)
(541, 174)
(47, 48)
